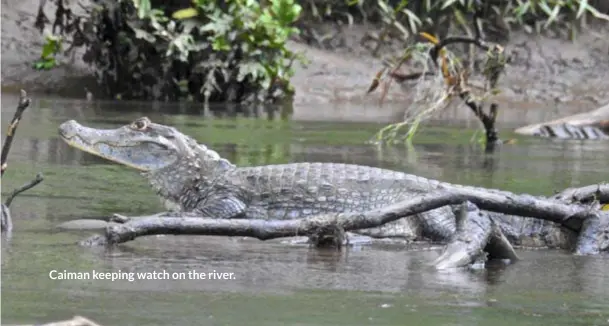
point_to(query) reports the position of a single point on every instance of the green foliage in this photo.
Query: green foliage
(198, 50)
(542, 14)
(404, 18)
(50, 49)
(257, 35)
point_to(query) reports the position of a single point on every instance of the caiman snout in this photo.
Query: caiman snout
(68, 129)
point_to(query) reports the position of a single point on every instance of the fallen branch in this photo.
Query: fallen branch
(38, 179)
(270, 229)
(6, 219)
(569, 215)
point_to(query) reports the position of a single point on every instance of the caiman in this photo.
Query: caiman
(194, 181)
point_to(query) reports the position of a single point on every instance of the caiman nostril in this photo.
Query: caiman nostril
(68, 129)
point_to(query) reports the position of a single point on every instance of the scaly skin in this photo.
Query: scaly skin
(195, 181)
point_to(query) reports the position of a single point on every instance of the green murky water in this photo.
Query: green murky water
(275, 283)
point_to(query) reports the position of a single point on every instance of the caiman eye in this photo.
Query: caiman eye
(139, 125)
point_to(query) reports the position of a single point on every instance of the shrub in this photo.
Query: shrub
(202, 50)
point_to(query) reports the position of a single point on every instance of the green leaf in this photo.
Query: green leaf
(51, 47)
(597, 14)
(143, 8)
(544, 6)
(522, 9)
(583, 5)
(255, 69)
(384, 7)
(285, 11)
(142, 34)
(447, 4)
(553, 16)
(413, 20)
(49, 64)
(38, 65)
(220, 44)
(185, 13)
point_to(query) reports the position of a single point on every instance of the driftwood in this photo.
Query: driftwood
(573, 216)
(75, 321)
(5, 213)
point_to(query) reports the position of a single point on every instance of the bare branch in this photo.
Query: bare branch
(24, 103)
(6, 222)
(38, 179)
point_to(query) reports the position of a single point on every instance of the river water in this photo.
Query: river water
(274, 283)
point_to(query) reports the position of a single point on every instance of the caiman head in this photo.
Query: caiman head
(142, 145)
(171, 160)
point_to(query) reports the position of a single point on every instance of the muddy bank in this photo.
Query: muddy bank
(549, 77)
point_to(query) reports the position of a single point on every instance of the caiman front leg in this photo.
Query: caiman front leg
(220, 207)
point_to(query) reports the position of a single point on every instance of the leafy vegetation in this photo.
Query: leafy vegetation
(235, 50)
(447, 78)
(404, 18)
(50, 49)
(444, 73)
(202, 50)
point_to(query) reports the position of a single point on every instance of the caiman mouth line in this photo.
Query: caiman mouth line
(100, 149)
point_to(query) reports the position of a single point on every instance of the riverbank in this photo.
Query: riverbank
(549, 76)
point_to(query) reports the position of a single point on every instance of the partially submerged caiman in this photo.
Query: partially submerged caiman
(194, 181)
(591, 125)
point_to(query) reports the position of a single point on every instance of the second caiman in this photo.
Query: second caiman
(194, 181)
